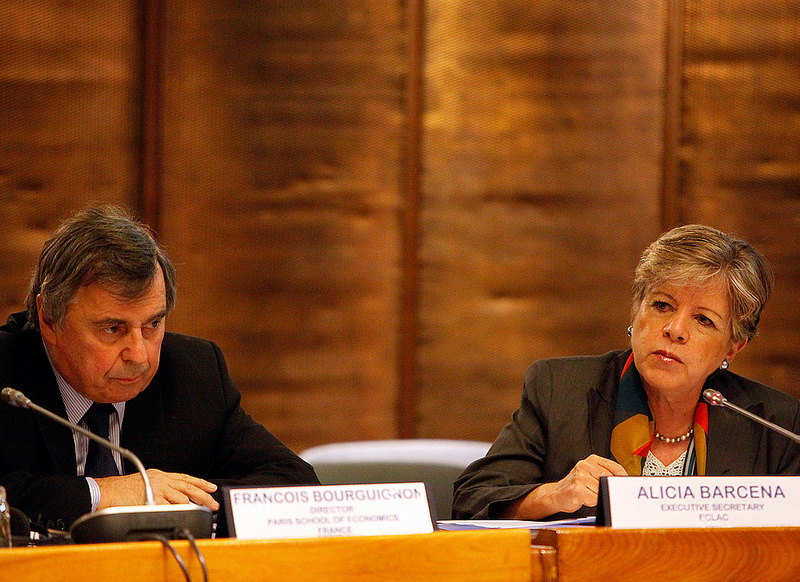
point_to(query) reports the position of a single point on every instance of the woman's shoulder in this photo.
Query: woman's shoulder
(746, 393)
(581, 364)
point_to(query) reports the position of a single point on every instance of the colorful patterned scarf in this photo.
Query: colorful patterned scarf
(634, 429)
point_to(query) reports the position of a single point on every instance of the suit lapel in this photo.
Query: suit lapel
(40, 386)
(143, 428)
(601, 402)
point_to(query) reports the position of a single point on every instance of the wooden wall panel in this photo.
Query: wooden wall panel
(541, 156)
(283, 176)
(68, 119)
(741, 154)
(282, 137)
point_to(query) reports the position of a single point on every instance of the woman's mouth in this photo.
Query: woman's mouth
(668, 356)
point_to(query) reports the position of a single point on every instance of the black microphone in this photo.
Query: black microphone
(716, 398)
(125, 523)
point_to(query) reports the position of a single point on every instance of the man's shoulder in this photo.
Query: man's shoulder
(188, 361)
(177, 341)
(16, 328)
(18, 342)
(178, 347)
(16, 323)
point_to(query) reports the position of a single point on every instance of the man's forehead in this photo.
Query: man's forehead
(121, 320)
(104, 304)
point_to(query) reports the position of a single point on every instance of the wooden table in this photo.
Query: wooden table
(586, 554)
(480, 556)
(580, 554)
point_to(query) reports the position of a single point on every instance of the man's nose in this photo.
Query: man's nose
(135, 349)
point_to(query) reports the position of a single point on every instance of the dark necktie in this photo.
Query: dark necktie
(99, 459)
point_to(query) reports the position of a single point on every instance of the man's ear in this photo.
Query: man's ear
(47, 328)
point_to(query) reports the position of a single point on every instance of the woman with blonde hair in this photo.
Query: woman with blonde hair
(698, 295)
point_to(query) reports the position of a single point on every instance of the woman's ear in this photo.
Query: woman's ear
(736, 347)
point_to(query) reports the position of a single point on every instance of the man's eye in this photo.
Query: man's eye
(110, 329)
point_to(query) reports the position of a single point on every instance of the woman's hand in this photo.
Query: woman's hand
(580, 487)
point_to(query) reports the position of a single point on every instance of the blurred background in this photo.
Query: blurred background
(385, 210)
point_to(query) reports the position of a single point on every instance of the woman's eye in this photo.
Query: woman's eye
(705, 320)
(661, 305)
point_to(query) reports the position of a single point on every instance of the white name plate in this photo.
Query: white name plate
(670, 502)
(328, 510)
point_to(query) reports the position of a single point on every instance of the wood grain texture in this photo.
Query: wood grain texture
(541, 156)
(67, 122)
(740, 155)
(283, 173)
(283, 133)
(488, 556)
(675, 555)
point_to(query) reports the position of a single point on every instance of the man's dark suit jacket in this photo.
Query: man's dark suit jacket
(188, 420)
(567, 413)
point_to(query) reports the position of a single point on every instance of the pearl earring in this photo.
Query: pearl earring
(724, 365)
(630, 330)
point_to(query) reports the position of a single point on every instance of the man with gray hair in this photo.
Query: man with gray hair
(92, 348)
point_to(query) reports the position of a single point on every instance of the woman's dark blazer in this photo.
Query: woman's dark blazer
(188, 420)
(567, 413)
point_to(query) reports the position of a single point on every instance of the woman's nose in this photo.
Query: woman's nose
(676, 329)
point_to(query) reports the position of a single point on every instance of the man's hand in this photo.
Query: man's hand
(168, 488)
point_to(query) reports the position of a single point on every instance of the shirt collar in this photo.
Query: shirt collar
(75, 403)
